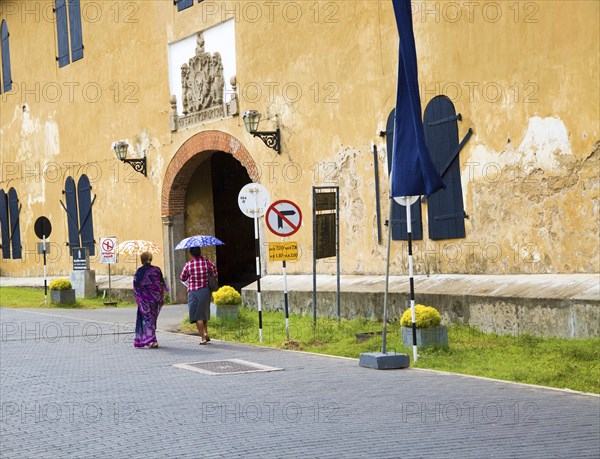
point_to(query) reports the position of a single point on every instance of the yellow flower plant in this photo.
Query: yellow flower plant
(425, 317)
(61, 284)
(227, 295)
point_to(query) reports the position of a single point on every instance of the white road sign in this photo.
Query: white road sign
(254, 200)
(283, 218)
(108, 250)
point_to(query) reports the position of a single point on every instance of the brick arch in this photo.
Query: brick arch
(189, 156)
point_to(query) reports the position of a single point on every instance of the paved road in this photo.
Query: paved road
(76, 388)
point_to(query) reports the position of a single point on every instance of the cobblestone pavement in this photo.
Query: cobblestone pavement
(76, 388)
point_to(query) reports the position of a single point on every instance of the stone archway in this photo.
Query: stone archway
(177, 176)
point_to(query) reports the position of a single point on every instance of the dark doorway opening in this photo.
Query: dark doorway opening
(236, 259)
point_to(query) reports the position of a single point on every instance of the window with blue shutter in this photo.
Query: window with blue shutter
(68, 31)
(4, 225)
(398, 217)
(446, 215)
(62, 33)
(9, 224)
(75, 30)
(6, 75)
(14, 209)
(183, 4)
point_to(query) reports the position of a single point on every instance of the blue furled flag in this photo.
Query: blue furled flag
(413, 172)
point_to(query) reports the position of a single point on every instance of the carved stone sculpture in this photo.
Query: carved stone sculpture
(202, 87)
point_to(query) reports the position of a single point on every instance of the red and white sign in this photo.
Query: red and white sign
(108, 250)
(283, 218)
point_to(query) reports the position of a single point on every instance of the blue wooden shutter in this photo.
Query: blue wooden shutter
(445, 208)
(183, 4)
(62, 33)
(72, 213)
(398, 217)
(75, 30)
(15, 228)
(4, 225)
(6, 76)
(86, 224)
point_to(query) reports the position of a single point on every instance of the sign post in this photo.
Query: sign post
(326, 236)
(408, 201)
(284, 219)
(253, 201)
(43, 228)
(108, 255)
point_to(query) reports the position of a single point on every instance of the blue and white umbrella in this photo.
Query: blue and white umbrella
(198, 241)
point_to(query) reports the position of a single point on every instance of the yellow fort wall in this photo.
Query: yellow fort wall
(524, 76)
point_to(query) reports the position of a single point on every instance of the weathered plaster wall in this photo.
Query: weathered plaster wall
(524, 75)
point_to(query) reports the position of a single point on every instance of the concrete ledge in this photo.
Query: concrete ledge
(565, 305)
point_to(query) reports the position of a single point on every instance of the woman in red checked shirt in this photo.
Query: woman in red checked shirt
(195, 277)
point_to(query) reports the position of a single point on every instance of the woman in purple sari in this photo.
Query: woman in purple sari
(149, 287)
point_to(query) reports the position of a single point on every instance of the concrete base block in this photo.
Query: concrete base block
(84, 283)
(379, 361)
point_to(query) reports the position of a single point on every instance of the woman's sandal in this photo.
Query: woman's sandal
(153, 345)
(202, 343)
(207, 338)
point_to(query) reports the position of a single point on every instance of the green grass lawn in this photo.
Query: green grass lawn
(554, 362)
(20, 297)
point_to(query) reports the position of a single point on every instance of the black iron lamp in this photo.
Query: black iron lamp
(271, 139)
(138, 164)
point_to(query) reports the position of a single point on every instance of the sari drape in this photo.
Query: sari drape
(149, 288)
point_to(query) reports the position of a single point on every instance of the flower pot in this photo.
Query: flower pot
(224, 311)
(426, 336)
(62, 296)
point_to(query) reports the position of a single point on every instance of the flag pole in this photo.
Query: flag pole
(387, 278)
(411, 280)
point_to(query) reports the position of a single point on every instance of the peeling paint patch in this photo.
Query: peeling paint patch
(51, 139)
(545, 140)
(29, 125)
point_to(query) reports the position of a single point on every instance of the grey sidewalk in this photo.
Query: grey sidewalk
(72, 387)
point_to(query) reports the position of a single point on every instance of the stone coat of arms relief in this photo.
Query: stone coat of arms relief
(203, 85)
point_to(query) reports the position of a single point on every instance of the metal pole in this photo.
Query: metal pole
(45, 280)
(314, 293)
(411, 280)
(377, 211)
(337, 248)
(285, 303)
(257, 250)
(387, 277)
(258, 295)
(109, 286)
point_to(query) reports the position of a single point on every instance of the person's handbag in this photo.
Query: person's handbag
(213, 283)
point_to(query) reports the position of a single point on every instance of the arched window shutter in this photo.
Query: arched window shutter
(6, 73)
(62, 33)
(75, 30)
(15, 228)
(183, 4)
(4, 225)
(446, 215)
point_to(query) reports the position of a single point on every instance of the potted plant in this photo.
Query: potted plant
(62, 292)
(225, 303)
(430, 330)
